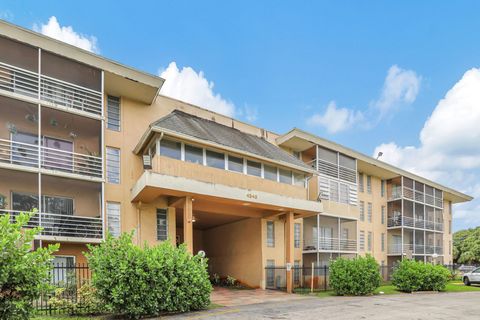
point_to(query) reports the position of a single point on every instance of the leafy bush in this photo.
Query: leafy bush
(86, 301)
(24, 273)
(411, 275)
(231, 281)
(358, 276)
(135, 282)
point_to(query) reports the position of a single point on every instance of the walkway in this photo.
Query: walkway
(233, 297)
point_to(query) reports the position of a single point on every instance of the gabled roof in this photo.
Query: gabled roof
(184, 125)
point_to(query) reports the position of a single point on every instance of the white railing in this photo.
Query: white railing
(408, 193)
(402, 221)
(418, 196)
(53, 90)
(25, 154)
(59, 225)
(70, 95)
(335, 170)
(414, 249)
(331, 244)
(18, 80)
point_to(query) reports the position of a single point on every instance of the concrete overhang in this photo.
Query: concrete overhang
(151, 185)
(300, 140)
(119, 79)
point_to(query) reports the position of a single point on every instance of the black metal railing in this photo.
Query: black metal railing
(70, 278)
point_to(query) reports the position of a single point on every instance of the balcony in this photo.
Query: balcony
(62, 83)
(402, 221)
(330, 244)
(54, 160)
(66, 226)
(396, 249)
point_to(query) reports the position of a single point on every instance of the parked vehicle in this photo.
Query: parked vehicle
(471, 277)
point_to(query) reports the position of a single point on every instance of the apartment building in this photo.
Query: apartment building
(92, 146)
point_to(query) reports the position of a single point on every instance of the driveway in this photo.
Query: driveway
(464, 305)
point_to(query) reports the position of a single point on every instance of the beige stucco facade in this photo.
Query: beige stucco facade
(242, 222)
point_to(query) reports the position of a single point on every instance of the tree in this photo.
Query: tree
(466, 246)
(24, 273)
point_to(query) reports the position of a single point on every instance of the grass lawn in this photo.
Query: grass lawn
(103, 317)
(453, 286)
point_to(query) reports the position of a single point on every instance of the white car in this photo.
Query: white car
(472, 277)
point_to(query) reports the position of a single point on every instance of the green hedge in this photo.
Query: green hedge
(358, 276)
(411, 275)
(135, 282)
(24, 273)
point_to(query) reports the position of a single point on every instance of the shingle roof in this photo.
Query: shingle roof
(190, 125)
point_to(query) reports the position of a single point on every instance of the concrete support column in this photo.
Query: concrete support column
(289, 248)
(188, 223)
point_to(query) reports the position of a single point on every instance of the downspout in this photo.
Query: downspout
(139, 224)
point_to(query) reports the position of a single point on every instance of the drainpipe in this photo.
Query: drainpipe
(139, 210)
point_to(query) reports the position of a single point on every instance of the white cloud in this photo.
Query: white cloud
(400, 87)
(449, 145)
(191, 86)
(66, 34)
(336, 119)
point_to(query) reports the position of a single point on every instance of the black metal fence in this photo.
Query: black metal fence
(69, 278)
(317, 278)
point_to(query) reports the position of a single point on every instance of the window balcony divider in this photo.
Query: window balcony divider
(25, 154)
(59, 225)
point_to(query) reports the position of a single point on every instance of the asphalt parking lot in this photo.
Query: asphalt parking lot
(464, 305)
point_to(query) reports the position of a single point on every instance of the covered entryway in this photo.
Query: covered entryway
(230, 236)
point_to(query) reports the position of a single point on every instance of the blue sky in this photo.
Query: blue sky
(367, 74)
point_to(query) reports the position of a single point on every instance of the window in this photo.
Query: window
(53, 159)
(24, 202)
(382, 189)
(254, 168)
(383, 214)
(285, 176)
(270, 234)
(296, 233)
(113, 113)
(235, 164)
(343, 193)
(113, 165)
(361, 187)
(193, 154)
(57, 205)
(345, 234)
(21, 153)
(215, 159)
(270, 273)
(171, 149)
(299, 179)
(63, 261)
(270, 172)
(369, 213)
(113, 218)
(296, 272)
(334, 191)
(362, 211)
(369, 241)
(362, 240)
(369, 184)
(383, 242)
(449, 226)
(162, 225)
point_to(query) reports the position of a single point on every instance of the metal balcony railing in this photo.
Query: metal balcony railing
(54, 91)
(402, 221)
(70, 95)
(18, 80)
(24, 154)
(331, 244)
(58, 225)
(396, 249)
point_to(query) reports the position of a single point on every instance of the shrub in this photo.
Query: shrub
(86, 301)
(135, 282)
(230, 281)
(24, 273)
(411, 275)
(358, 276)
